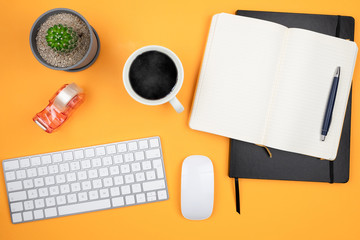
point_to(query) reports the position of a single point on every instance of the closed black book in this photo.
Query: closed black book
(250, 161)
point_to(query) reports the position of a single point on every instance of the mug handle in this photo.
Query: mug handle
(177, 105)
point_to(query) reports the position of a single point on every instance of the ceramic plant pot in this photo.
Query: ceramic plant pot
(91, 54)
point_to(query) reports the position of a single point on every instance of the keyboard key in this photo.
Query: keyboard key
(50, 212)
(21, 174)
(125, 168)
(84, 207)
(111, 149)
(17, 196)
(53, 169)
(107, 161)
(46, 159)
(118, 159)
(71, 177)
(29, 205)
(39, 203)
(96, 162)
(56, 157)
(65, 188)
(146, 165)
(143, 144)
(159, 168)
(93, 195)
(79, 154)
(50, 180)
(82, 196)
(82, 175)
(140, 198)
(75, 187)
(32, 194)
(140, 177)
(118, 201)
(86, 185)
(135, 167)
(24, 163)
(10, 176)
(115, 191)
(38, 214)
(39, 182)
(153, 185)
(74, 166)
(136, 188)
(16, 217)
(61, 200)
(104, 193)
(118, 180)
(150, 175)
(153, 153)
(43, 192)
(130, 199)
(16, 207)
(97, 183)
(103, 172)
(42, 171)
(64, 167)
(93, 173)
(11, 165)
(129, 178)
(129, 157)
(14, 186)
(151, 199)
(89, 153)
(114, 170)
(28, 183)
(50, 201)
(31, 172)
(54, 190)
(151, 194)
(68, 156)
(108, 182)
(86, 164)
(60, 178)
(28, 216)
(72, 198)
(139, 156)
(154, 142)
(132, 146)
(35, 161)
(100, 151)
(125, 190)
(121, 147)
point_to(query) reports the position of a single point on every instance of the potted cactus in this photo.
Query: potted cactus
(62, 39)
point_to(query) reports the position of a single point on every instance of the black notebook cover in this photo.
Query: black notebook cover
(250, 161)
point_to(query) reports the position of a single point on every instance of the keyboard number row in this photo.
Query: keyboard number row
(88, 153)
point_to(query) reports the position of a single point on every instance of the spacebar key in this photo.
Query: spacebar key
(153, 185)
(84, 207)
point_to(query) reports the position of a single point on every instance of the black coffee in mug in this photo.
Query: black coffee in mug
(153, 75)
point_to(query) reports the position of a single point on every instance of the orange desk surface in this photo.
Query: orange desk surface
(269, 209)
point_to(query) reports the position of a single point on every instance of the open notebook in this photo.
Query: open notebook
(267, 84)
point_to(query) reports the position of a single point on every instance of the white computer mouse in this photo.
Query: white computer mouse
(197, 187)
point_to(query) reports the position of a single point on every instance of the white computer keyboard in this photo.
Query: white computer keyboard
(85, 179)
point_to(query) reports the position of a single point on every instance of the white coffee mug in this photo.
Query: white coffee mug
(171, 97)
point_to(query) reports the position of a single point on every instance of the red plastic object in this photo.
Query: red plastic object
(60, 107)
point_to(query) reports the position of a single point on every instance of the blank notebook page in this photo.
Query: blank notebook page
(303, 83)
(232, 97)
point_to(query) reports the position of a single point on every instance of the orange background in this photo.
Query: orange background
(270, 209)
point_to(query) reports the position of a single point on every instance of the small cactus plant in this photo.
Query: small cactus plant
(61, 38)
